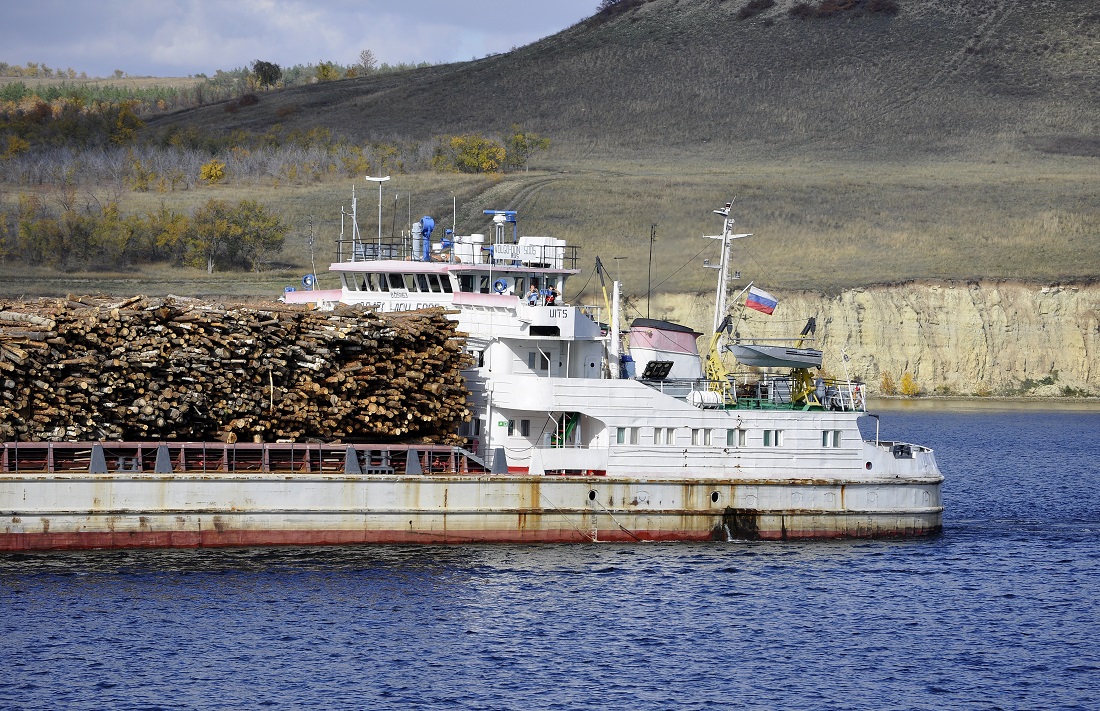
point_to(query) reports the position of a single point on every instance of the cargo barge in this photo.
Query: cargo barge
(582, 432)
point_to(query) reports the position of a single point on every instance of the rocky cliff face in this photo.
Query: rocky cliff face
(961, 339)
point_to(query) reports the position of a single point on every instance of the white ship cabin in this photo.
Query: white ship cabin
(555, 391)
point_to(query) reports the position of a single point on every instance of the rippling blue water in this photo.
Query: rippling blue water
(1000, 611)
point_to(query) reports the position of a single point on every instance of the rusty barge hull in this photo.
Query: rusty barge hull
(65, 496)
(81, 512)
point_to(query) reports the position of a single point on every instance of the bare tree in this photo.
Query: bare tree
(368, 61)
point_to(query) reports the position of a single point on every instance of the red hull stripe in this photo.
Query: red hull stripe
(214, 538)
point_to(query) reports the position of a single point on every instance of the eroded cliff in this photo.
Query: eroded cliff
(961, 339)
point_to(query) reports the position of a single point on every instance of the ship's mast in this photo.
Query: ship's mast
(724, 263)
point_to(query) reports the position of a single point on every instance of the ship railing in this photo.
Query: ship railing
(770, 390)
(596, 314)
(900, 450)
(405, 247)
(538, 256)
(750, 390)
(369, 251)
(141, 458)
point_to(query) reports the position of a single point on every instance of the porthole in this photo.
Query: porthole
(868, 465)
(715, 497)
(592, 495)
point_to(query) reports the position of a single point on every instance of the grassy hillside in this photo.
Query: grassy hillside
(669, 78)
(955, 139)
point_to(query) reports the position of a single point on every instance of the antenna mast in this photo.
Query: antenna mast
(724, 265)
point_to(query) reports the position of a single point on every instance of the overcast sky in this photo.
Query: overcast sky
(185, 37)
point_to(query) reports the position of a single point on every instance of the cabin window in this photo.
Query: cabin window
(773, 438)
(471, 428)
(657, 435)
(830, 438)
(634, 435)
(735, 438)
(433, 282)
(511, 427)
(525, 428)
(620, 435)
(538, 361)
(396, 282)
(700, 437)
(670, 436)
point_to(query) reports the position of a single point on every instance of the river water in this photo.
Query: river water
(1000, 612)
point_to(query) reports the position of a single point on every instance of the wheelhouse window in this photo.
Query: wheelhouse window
(396, 282)
(466, 282)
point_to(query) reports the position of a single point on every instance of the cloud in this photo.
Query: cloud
(179, 37)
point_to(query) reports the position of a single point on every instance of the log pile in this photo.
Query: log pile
(148, 368)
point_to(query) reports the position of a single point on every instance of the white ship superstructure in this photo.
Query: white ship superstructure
(556, 395)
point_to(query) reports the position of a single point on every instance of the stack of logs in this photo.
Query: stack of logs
(145, 368)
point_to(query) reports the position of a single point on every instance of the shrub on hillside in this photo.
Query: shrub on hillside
(611, 8)
(885, 7)
(802, 10)
(755, 7)
(828, 8)
(832, 8)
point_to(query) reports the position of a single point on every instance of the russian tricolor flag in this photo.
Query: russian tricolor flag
(761, 300)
